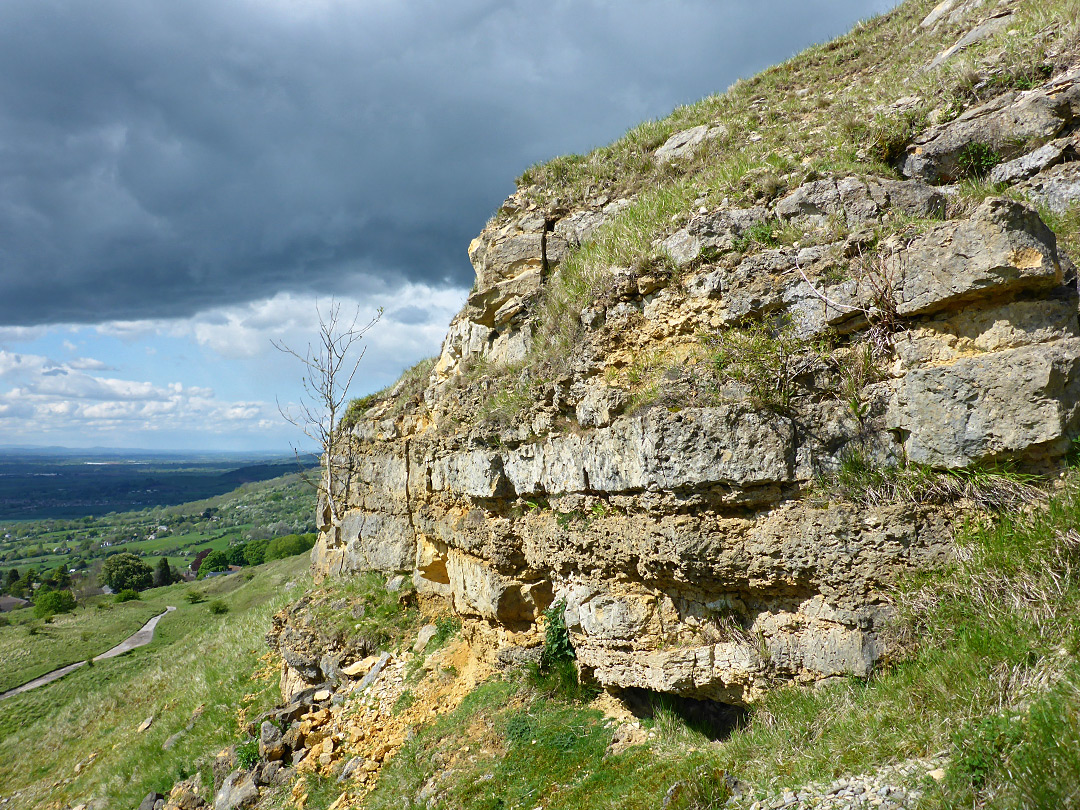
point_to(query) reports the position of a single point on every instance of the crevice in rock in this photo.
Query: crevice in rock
(545, 266)
(408, 494)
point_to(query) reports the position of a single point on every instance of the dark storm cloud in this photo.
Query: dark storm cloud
(157, 157)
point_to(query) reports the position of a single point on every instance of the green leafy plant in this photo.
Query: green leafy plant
(50, 602)
(127, 595)
(976, 160)
(981, 747)
(194, 597)
(760, 233)
(557, 644)
(218, 607)
(247, 754)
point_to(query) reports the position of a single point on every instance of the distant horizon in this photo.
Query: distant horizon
(105, 450)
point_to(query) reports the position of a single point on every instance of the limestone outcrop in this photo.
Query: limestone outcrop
(676, 513)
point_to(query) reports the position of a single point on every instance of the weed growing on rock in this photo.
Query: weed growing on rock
(446, 627)
(557, 645)
(863, 480)
(768, 360)
(247, 754)
(976, 160)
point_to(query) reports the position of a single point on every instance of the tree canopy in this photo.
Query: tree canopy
(214, 561)
(123, 571)
(50, 602)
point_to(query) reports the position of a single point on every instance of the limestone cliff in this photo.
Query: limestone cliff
(664, 363)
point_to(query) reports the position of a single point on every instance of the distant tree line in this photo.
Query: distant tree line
(253, 552)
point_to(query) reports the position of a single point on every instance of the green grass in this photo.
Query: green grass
(196, 659)
(371, 611)
(71, 637)
(990, 487)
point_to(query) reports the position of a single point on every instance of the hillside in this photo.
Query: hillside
(746, 477)
(721, 385)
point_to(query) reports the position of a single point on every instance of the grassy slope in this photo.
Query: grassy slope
(196, 659)
(828, 110)
(88, 631)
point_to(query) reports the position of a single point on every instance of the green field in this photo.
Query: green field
(264, 509)
(90, 717)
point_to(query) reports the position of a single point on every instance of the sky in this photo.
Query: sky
(182, 183)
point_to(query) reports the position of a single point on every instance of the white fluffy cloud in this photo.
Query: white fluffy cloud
(45, 398)
(83, 399)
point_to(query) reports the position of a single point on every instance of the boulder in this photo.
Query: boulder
(424, 637)
(237, 792)
(1029, 165)
(224, 763)
(271, 745)
(684, 143)
(1017, 402)
(1009, 125)
(859, 200)
(1003, 249)
(984, 30)
(1058, 188)
(185, 796)
(150, 801)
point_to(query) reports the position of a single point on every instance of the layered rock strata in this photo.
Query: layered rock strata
(683, 536)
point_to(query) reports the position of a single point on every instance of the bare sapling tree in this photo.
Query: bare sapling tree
(330, 364)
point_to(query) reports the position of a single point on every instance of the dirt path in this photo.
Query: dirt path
(141, 637)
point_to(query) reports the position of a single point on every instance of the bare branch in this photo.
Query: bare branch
(329, 367)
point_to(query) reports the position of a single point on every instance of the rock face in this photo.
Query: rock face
(1009, 125)
(685, 535)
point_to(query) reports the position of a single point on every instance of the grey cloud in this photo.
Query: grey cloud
(160, 158)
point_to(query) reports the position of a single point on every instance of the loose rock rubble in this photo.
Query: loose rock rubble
(889, 788)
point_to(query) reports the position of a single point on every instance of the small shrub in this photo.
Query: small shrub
(557, 644)
(126, 595)
(194, 597)
(976, 160)
(247, 754)
(52, 602)
(218, 607)
(981, 747)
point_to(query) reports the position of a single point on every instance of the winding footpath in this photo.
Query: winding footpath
(141, 637)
